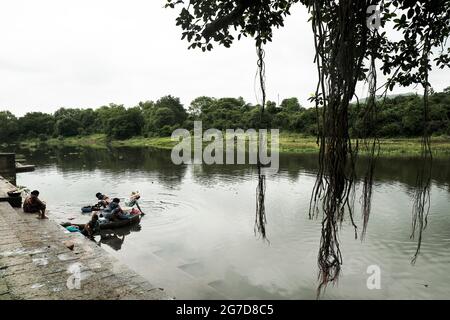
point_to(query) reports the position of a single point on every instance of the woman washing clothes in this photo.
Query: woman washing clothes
(114, 212)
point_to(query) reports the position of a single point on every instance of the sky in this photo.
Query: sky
(80, 53)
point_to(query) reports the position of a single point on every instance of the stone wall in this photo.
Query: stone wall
(7, 162)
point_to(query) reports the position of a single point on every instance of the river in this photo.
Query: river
(197, 238)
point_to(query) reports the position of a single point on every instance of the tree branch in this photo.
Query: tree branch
(225, 21)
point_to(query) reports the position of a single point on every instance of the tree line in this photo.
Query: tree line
(399, 116)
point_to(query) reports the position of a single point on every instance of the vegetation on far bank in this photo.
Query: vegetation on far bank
(398, 116)
(289, 143)
(150, 124)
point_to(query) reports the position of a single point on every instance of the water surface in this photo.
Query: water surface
(197, 239)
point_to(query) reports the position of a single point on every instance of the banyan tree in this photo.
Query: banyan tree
(353, 41)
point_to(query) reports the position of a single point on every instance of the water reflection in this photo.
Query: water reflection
(109, 161)
(197, 238)
(115, 238)
(158, 163)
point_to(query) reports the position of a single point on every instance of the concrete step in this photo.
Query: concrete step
(36, 264)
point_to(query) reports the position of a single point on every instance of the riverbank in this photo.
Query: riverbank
(41, 260)
(289, 143)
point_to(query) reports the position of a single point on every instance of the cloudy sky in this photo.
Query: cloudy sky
(80, 53)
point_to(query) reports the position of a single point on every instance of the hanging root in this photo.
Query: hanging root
(340, 37)
(330, 258)
(371, 144)
(260, 219)
(421, 205)
(368, 187)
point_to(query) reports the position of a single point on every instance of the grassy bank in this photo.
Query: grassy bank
(388, 147)
(100, 141)
(289, 143)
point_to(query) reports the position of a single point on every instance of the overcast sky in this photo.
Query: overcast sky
(80, 53)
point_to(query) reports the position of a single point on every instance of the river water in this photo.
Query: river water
(197, 238)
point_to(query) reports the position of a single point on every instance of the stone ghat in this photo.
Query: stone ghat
(41, 260)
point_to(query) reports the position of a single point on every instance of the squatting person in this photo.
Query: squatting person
(33, 204)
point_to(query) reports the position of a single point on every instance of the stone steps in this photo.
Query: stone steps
(6, 186)
(36, 264)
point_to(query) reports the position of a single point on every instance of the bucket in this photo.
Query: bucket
(14, 193)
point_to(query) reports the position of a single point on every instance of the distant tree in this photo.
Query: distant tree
(126, 124)
(163, 117)
(87, 121)
(255, 120)
(222, 113)
(146, 106)
(167, 112)
(271, 107)
(412, 120)
(67, 113)
(9, 127)
(86, 118)
(175, 105)
(35, 123)
(290, 105)
(104, 114)
(200, 105)
(68, 127)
